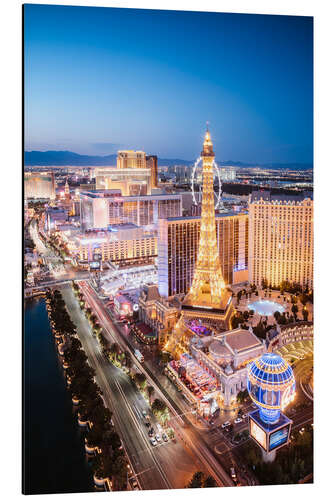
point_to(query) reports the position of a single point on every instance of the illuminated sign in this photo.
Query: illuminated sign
(258, 434)
(279, 437)
(95, 265)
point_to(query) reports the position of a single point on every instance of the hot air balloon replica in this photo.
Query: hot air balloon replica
(271, 386)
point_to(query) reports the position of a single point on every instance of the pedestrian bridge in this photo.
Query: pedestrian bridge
(34, 291)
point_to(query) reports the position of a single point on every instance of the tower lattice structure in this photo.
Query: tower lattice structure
(208, 284)
(208, 299)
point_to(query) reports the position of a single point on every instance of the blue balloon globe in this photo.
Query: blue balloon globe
(271, 385)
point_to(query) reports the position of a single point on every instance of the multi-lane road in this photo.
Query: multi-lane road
(190, 436)
(168, 465)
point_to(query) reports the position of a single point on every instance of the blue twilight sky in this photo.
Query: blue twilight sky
(101, 79)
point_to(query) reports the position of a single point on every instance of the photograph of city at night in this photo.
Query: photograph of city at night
(168, 249)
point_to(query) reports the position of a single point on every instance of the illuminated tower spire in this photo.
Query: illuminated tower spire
(208, 298)
(208, 285)
(67, 193)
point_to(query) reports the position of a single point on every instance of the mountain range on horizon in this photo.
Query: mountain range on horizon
(68, 158)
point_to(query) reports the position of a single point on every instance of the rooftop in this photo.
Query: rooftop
(110, 193)
(241, 340)
(232, 213)
(283, 198)
(151, 292)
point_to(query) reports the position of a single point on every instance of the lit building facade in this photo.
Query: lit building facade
(39, 185)
(125, 244)
(228, 173)
(284, 335)
(131, 159)
(102, 208)
(178, 242)
(225, 357)
(158, 312)
(280, 239)
(151, 162)
(217, 368)
(130, 181)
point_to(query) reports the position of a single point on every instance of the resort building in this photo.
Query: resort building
(131, 159)
(151, 163)
(228, 173)
(129, 181)
(215, 366)
(125, 244)
(284, 335)
(39, 185)
(102, 208)
(178, 242)
(280, 239)
(159, 313)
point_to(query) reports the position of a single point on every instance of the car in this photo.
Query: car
(164, 437)
(153, 441)
(158, 438)
(238, 420)
(151, 432)
(135, 485)
(226, 424)
(144, 413)
(244, 417)
(147, 424)
(233, 474)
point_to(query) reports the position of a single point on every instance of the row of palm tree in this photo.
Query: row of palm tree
(199, 480)
(109, 461)
(58, 314)
(246, 292)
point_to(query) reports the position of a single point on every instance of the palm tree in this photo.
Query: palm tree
(209, 482)
(114, 350)
(197, 480)
(119, 470)
(160, 410)
(128, 360)
(140, 380)
(171, 433)
(150, 391)
(294, 310)
(305, 314)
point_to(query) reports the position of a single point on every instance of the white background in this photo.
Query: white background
(11, 241)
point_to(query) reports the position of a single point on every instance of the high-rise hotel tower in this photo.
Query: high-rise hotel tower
(280, 239)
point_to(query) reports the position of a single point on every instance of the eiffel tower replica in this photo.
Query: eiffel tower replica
(208, 300)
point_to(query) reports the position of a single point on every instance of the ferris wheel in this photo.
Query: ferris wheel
(196, 183)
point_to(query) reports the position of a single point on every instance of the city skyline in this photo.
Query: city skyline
(183, 373)
(153, 91)
(168, 270)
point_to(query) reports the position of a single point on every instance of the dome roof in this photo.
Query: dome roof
(271, 369)
(219, 350)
